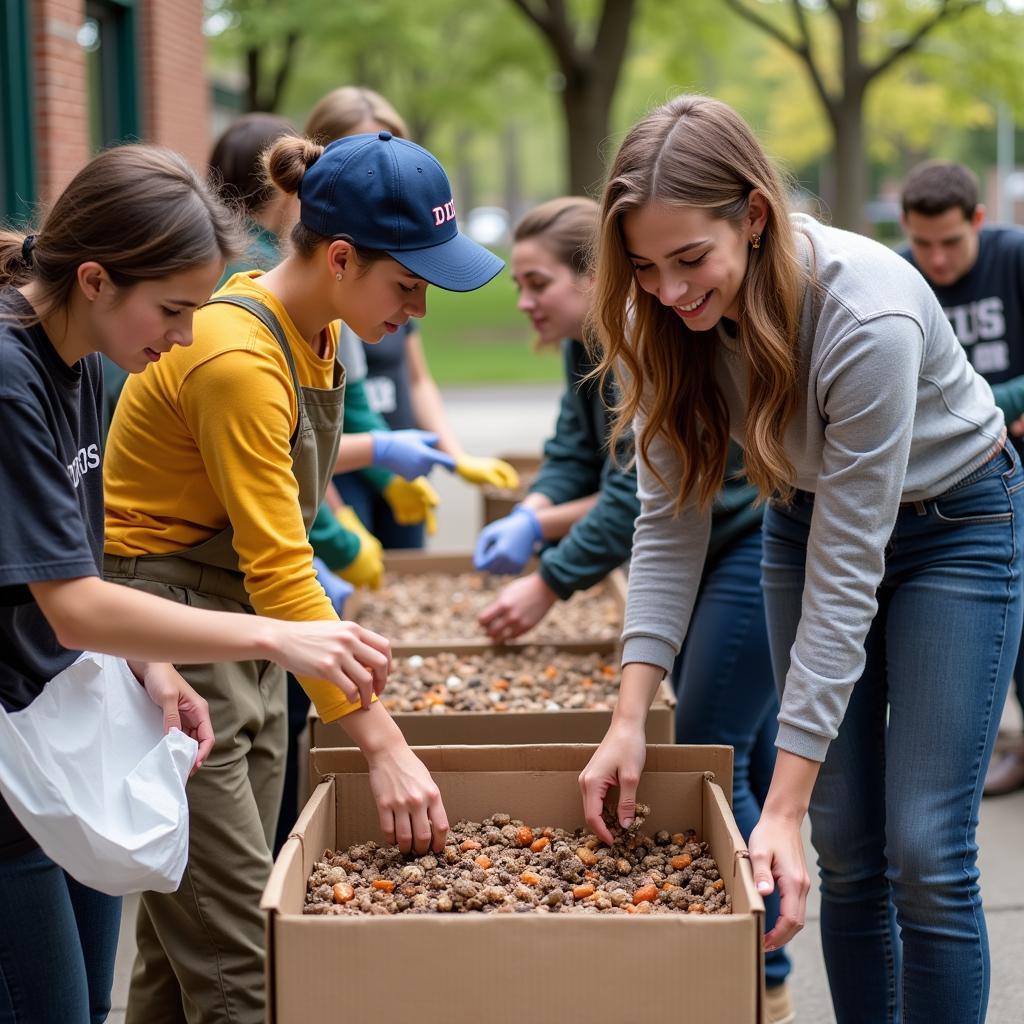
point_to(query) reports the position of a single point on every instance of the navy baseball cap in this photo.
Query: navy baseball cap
(390, 194)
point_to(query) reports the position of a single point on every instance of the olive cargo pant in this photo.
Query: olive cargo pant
(201, 949)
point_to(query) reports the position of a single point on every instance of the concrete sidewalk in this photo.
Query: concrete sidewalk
(489, 421)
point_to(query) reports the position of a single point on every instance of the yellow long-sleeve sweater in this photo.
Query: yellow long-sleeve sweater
(202, 439)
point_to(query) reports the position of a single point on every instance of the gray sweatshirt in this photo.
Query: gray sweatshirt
(890, 411)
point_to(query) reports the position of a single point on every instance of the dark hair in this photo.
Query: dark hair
(937, 186)
(567, 226)
(236, 165)
(286, 162)
(139, 211)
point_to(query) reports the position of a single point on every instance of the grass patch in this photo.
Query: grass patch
(481, 338)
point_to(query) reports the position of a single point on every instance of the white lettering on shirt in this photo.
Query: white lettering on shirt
(87, 458)
(980, 327)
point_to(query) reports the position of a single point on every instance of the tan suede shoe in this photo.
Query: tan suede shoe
(779, 1005)
(1005, 773)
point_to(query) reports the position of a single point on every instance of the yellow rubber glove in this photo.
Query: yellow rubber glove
(367, 568)
(479, 469)
(412, 502)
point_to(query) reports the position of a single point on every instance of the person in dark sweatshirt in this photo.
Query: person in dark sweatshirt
(977, 274)
(580, 512)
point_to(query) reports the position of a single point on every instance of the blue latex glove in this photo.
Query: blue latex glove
(409, 453)
(335, 587)
(506, 544)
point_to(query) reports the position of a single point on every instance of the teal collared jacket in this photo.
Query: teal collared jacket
(577, 463)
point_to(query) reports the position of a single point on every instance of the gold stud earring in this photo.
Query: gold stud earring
(755, 241)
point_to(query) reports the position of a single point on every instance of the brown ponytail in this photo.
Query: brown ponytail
(287, 161)
(139, 211)
(15, 257)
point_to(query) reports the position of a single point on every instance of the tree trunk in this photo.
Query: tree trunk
(587, 114)
(465, 173)
(850, 162)
(510, 160)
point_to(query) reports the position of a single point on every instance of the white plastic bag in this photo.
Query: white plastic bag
(87, 770)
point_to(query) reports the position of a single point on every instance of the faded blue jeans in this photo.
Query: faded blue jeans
(58, 940)
(726, 693)
(895, 808)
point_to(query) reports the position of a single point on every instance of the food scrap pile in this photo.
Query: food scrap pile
(533, 679)
(501, 865)
(439, 606)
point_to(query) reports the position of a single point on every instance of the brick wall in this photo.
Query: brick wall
(173, 101)
(60, 113)
(175, 92)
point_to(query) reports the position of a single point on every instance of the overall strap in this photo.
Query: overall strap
(268, 318)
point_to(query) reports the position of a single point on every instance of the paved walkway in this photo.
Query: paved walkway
(501, 420)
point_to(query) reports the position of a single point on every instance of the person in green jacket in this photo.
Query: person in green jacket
(579, 516)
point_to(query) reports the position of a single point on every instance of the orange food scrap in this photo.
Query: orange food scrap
(524, 835)
(645, 894)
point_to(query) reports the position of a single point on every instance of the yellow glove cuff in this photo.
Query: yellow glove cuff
(480, 470)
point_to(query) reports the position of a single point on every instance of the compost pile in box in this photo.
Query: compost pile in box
(501, 865)
(531, 679)
(417, 607)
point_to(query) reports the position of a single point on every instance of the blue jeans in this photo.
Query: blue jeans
(57, 945)
(375, 513)
(895, 808)
(726, 693)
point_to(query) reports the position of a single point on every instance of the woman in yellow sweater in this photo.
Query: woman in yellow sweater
(217, 460)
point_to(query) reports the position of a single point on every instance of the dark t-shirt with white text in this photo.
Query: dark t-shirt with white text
(986, 306)
(51, 504)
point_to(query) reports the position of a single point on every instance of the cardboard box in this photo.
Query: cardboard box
(446, 563)
(498, 502)
(474, 728)
(504, 969)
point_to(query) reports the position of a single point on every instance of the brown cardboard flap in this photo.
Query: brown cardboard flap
(723, 834)
(281, 890)
(547, 757)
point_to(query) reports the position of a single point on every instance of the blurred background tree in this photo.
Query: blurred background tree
(526, 99)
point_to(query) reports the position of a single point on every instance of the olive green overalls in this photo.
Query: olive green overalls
(200, 949)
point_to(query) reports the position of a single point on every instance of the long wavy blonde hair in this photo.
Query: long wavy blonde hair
(696, 151)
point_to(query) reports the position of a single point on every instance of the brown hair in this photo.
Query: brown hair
(937, 186)
(343, 110)
(286, 162)
(696, 151)
(566, 226)
(236, 165)
(141, 212)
